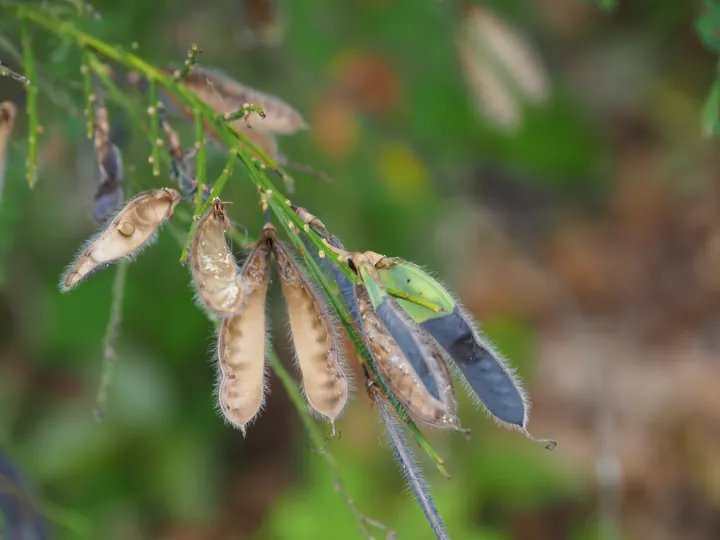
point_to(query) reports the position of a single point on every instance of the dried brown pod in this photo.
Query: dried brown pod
(242, 343)
(109, 159)
(214, 271)
(226, 95)
(501, 66)
(399, 374)
(316, 342)
(132, 229)
(8, 110)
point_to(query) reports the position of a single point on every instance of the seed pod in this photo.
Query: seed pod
(8, 110)
(132, 229)
(226, 95)
(400, 375)
(484, 368)
(317, 346)
(241, 344)
(109, 159)
(214, 271)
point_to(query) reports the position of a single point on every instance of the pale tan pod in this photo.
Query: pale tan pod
(513, 51)
(215, 274)
(316, 342)
(133, 228)
(8, 110)
(241, 344)
(399, 374)
(265, 141)
(226, 95)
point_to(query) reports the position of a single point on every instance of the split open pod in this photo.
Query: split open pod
(133, 228)
(433, 308)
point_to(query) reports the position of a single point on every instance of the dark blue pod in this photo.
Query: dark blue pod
(22, 520)
(401, 328)
(482, 367)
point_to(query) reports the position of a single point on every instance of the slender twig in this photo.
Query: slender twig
(31, 106)
(111, 335)
(318, 441)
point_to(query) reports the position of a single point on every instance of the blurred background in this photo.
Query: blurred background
(546, 159)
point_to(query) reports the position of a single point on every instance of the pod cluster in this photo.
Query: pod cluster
(238, 297)
(415, 329)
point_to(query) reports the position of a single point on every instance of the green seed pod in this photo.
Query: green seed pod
(434, 308)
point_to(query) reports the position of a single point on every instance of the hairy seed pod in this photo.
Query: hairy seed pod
(8, 110)
(241, 343)
(486, 372)
(214, 271)
(317, 346)
(226, 95)
(399, 373)
(133, 228)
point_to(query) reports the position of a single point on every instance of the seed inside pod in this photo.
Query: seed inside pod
(215, 274)
(241, 344)
(317, 347)
(399, 374)
(226, 95)
(132, 229)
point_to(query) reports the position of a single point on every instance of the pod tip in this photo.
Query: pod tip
(549, 443)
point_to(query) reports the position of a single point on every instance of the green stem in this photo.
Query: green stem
(111, 335)
(317, 439)
(31, 106)
(217, 189)
(154, 128)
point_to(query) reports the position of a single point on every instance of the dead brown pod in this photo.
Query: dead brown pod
(315, 338)
(399, 374)
(214, 271)
(226, 95)
(242, 342)
(132, 229)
